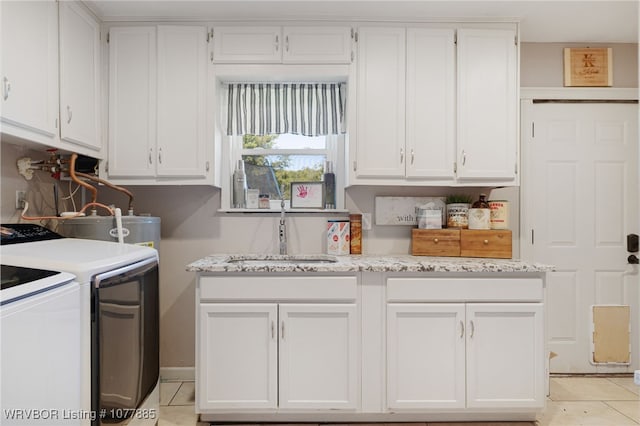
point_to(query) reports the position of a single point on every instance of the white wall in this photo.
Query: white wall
(192, 228)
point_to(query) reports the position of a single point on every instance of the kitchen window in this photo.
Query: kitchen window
(286, 133)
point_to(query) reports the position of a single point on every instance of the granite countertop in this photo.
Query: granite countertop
(356, 263)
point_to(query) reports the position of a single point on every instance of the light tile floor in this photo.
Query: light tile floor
(574, 401)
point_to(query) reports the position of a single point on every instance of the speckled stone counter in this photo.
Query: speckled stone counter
(364, 263)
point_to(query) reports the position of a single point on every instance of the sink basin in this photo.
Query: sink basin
(282, 259)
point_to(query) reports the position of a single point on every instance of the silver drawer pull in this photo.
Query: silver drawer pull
(6, 87)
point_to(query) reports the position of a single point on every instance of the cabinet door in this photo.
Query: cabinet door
(381, 103)
(505, 355)
(237, 356)
(79, 76)
(430, 103)
(487, 104)
(132, 101)
(317, 45)
(425, 356)
(182, 90)
(318, 356)
(29, 106)
(247, 45)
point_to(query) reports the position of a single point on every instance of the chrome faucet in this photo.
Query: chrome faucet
(282, 229)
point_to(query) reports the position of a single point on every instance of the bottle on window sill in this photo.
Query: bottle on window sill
(329, 179)
(239, 194)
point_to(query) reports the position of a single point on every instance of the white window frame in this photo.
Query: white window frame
(231, 73)
(334, 151)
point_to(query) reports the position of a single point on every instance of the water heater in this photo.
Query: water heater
(141, 230)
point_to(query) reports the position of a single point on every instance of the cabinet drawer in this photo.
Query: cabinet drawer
(485, 243)
(435, 242)
(327, 288)
(464, 289)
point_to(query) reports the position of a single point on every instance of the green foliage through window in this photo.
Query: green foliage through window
(271, 170)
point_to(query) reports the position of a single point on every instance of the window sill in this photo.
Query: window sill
(288, 211)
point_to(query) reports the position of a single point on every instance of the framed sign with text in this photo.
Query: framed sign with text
(585, 67)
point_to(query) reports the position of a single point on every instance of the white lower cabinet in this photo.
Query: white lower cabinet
(239, 356)
(465, 355)
(372, 346)
(270, 356)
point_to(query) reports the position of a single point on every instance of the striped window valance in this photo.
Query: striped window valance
(309, 109)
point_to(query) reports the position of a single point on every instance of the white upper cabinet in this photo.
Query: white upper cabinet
(430, 118)
(487, 104)
(29, 70)
(380, 101)
(247, 44)
(182, 90)
(274, 44)
(158, 103)
(79, 76)
(312, 45)
(408, 129)
(405, 106)
(132, 100)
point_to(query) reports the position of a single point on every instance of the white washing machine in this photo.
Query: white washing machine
(119, 318)
(41, 347)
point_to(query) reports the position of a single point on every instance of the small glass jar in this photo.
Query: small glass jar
(263, 201)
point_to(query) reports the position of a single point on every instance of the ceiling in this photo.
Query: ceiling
(541, 21)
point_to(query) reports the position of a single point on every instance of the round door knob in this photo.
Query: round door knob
(435, 240)
(486, 241)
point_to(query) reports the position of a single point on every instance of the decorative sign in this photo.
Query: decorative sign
(402, 210)
(588, 67)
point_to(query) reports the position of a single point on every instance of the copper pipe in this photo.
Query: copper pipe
(77, 214)
(72, 174)
(110, 185)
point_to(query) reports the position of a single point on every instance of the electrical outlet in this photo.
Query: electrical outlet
(366, 221)
(21, 197)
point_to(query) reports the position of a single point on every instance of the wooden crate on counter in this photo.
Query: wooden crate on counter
(491, 243)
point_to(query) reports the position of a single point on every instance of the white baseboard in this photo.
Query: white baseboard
(177, 373)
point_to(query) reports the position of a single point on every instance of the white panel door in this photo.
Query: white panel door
(487, 128)
(505, 355)
(182, 90)
(425, 355)
(430, 107)
(318, 356)
(29, 96)
(132, 101)
(238, 356)
(79, 76)
(581, 201)
(381, 103)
